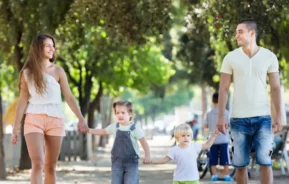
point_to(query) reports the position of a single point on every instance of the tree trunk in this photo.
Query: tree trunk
(18, 51)
(94, 105)
(105, 108)
(109, 115)
(25, 162)
(204, 108)
(2, 154)
(204, 102)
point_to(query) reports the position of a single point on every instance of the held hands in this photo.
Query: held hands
(146, 160)
(222, 125)
(82, 126)
(215, 133)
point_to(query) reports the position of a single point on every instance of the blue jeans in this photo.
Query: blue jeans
(246, 132)
(124, 172)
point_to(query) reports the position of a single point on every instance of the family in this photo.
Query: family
(41, 83)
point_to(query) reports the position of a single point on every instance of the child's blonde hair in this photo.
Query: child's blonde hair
(181, 129)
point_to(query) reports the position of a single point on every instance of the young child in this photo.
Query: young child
(185, 155)
(125, 151)
(219, 149)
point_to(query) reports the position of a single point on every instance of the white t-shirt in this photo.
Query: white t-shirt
(249, 77)
(135, 135)
(186, 161)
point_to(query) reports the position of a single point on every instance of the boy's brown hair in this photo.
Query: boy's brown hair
(215, 98)
(127, 104)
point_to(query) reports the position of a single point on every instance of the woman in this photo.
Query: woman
(41, 82)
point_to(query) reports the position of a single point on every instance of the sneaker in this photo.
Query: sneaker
(228, 178)
(214, 178)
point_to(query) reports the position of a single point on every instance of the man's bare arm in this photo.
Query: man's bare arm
(274, 81)
(225, 82)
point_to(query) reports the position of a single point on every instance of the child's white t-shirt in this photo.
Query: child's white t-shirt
(135, 135)
(186, 161)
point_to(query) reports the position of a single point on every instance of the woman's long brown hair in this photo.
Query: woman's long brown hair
(34, 63)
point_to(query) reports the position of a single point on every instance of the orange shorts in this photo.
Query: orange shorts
(41, 123)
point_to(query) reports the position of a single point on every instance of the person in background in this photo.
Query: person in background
(195, 129)
(220, 148)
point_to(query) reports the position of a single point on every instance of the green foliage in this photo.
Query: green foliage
(150, 106)
(131, 20)
(95, 41)
(20, 21)
(88, 53)
(121, 44)
(195, 51)
(111, 58)
(8, 84)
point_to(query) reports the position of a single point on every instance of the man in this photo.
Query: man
(250, 117)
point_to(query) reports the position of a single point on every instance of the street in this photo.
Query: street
(97, 170)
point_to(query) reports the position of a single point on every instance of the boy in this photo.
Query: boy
(219, 149)
(185, 155)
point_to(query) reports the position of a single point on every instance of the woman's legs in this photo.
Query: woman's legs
(35, 146)
(52, 150)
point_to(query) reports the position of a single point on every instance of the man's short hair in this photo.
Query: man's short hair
(251, 25)
(215, 97)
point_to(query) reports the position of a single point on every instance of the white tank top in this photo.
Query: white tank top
(47, 103)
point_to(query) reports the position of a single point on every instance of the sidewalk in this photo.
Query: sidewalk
(98, 169)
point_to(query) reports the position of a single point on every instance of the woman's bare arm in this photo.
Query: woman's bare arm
(21, 105)
(70, 100)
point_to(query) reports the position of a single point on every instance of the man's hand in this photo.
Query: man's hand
(277, 125)
(222, 125)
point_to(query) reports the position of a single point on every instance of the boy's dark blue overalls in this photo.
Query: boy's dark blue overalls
(124, 158)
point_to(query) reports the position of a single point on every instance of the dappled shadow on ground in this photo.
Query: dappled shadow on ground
(97, 170)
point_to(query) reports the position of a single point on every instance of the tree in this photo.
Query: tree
(99, 63)
(18, 16)
(149, 106)
(5, 77)
(130, 20)
(7, 73)
(2, 155)
(196, 53)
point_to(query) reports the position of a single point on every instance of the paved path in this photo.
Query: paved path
(98, 169)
